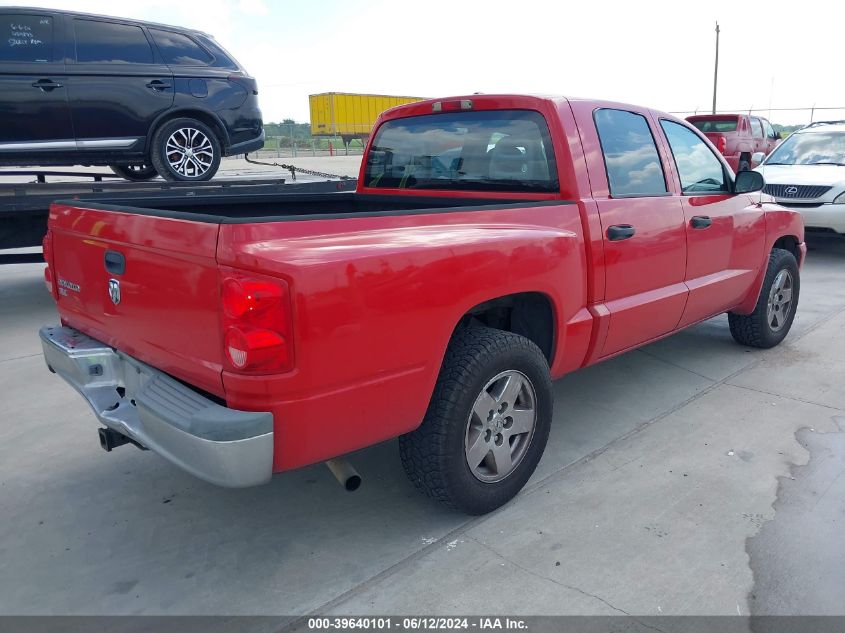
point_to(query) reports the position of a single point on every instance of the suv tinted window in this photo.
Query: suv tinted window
(630, 154)
(698, 167)
(494, 150)
(756, 128)
(180, 50)
(110, 43)
(26, 38)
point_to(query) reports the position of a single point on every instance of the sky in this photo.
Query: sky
(774, 54)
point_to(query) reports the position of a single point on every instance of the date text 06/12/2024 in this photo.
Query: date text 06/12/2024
(416, 623)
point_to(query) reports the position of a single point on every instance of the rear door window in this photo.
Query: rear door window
(756, 128)
(630, 154)
(768, 129)
(26, 38)
(180, 50)
(698, 167)
(494, 150)
(111, 43)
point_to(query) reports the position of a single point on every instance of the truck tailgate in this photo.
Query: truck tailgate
(155, 298)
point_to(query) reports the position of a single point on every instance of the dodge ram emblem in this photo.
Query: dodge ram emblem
(114, 291)
(791, 190)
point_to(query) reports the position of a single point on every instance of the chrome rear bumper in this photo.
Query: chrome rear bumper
(223, 446)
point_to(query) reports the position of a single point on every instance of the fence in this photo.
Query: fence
(800, 116)
(285, 147)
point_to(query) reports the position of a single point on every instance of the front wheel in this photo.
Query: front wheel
(487, 424)
(135, 173)
(185, 149)
(772, 318)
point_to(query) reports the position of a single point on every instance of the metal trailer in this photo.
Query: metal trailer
(24, 207)
(349, 115)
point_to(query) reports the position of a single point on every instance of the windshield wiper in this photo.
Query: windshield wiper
(828, 163)
(767, 164)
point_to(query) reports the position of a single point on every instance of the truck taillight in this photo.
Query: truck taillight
(258, 334)
(46, 248)
(721, 144)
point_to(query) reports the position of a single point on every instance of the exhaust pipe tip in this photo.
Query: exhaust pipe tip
(353, 483)
(345, 474)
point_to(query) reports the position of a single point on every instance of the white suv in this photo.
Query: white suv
(807, 173)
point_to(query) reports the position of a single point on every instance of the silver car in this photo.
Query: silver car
(807, 173)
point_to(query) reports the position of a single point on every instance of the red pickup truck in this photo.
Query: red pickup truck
(494, 243)
(738, 137)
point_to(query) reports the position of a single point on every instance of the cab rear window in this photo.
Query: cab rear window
(728, 124)
(495, 150)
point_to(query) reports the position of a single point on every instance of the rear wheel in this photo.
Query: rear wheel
(136, 173)
(744, 163)
(186, 149)
(772, 318)
(487, 424)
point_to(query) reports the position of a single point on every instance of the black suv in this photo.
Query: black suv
(143, 98)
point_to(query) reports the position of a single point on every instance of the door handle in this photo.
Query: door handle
(115, 262)
(45, 85)
(158, 85)
(620, 232)
(700, 222)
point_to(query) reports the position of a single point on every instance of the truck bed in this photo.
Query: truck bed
(275, 207)
(24, 206)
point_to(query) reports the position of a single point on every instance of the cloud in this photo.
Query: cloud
(253, 7)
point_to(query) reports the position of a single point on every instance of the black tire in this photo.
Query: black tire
(756, 329)
(191, 172)
(744, 163)
(434, 454)
(135, 173)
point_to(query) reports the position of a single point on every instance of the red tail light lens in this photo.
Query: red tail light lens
(722, 144)
(257, 324)
(47, 250)
(48, 279)
(247, 297)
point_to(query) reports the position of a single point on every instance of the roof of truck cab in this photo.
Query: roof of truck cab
(515, 101)
(97, 16)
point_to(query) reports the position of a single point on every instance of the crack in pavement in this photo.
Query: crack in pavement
(583, 592)
(462, 529)
(543, 577)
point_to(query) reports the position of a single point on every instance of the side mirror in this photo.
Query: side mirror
(757, 158)
(748, 181)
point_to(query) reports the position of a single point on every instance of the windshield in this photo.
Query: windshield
(728, 124)
(495, 150)
(810, 148)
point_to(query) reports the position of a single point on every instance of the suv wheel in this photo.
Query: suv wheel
(135, 173)
(185, 149)
(487, 424)
(744, 163)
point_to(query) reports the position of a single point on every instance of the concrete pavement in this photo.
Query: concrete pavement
(665, 489)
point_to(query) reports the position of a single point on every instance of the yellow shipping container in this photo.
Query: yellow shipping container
(349, 115)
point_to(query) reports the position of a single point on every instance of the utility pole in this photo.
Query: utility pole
(716, 69)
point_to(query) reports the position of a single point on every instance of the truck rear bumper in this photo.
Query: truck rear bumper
(220, 445)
